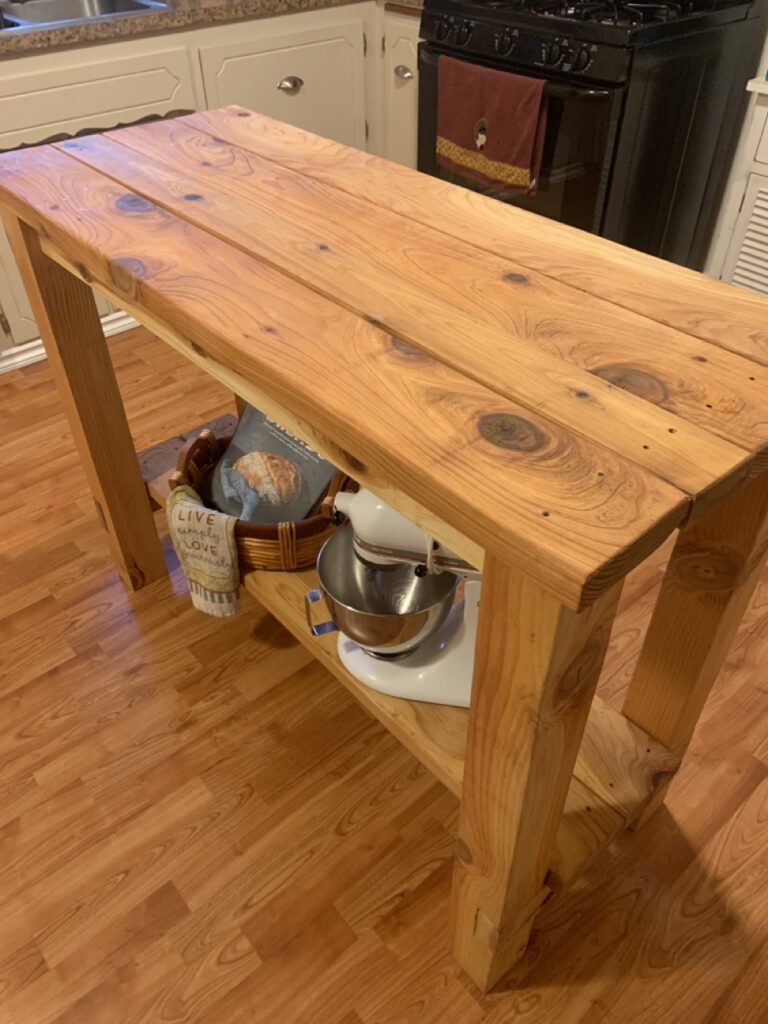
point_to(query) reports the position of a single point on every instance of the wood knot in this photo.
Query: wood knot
(409, 351)
(636, 381)
(84, 272)
(199, 349)
(515, 278)
(352, 462)
(192, 197)
(125, 271)
(709, 571)
(463, 852)
(131, 203)
(511, 432)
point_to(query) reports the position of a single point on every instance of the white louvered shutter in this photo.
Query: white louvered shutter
(747, 262)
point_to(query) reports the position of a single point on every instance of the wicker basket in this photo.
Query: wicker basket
(276, 546)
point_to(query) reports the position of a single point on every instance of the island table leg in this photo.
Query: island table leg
(70, 326)
(709, 582)
(536, 667)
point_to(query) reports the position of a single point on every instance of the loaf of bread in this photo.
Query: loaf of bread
(275, 479)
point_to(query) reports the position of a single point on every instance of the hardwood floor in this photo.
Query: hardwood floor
(197, 823)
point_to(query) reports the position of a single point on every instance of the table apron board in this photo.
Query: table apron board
(546, 773)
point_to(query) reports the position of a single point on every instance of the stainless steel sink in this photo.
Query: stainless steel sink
(47, 12)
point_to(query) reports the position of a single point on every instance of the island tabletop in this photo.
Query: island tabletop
(549, 405)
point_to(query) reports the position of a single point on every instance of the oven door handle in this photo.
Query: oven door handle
(575, 92)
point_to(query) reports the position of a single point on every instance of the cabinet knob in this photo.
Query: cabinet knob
(403, 72)
(290, 85)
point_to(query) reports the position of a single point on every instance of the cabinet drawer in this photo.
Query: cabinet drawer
(44, 102)
(312, 79)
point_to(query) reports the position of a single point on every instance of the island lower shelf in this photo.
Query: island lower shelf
(618, 768)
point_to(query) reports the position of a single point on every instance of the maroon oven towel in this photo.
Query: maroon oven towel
(490, 124)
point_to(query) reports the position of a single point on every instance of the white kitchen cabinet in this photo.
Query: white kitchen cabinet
(312, 76)
(62, 93)
(51, 96)
(747, 260)
(401, 87)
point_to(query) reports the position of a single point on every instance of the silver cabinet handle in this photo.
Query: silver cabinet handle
(403, 72)
(290, 85)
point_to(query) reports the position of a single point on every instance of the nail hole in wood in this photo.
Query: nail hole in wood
(546, 514)
(672, 430)
(646, 446)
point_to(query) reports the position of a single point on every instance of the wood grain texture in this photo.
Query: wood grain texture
(338, 870)
(536, 669)
(453, 301)
(71, 329)
(709, 582)
(713, 311)
(572, 514)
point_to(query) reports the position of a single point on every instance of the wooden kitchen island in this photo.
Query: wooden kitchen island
(547, 404)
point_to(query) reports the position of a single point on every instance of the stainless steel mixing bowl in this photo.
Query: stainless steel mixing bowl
(388, 610)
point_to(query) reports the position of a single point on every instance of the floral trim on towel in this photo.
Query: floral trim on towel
(477, 161)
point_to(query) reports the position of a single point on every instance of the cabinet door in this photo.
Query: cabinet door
(401, 88)
(747, 261)
(312, 79)
(44, 97)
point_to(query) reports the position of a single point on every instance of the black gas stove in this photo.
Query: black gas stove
(645, 101)
(569, 35)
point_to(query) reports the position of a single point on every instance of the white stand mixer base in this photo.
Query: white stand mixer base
(439, 671)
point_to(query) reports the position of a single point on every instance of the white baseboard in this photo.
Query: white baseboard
(33, 351)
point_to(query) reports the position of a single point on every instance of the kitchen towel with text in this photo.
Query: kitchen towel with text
(205, 543)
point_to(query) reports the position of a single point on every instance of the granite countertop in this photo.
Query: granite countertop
(178, 14)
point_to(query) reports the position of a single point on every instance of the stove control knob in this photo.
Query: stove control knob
(506, 42)
(582, 60)
(551, 53)
(444, 27)
(464, 32)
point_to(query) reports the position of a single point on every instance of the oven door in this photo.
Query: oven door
(582, 125)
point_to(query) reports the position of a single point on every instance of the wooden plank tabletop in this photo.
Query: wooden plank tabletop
(561, 401)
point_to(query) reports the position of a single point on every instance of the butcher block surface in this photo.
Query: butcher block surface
(557, 400)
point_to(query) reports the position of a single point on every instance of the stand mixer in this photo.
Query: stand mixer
(391, 592)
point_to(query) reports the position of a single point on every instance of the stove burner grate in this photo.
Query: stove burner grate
(606, 12)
